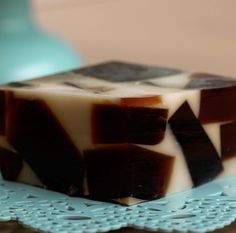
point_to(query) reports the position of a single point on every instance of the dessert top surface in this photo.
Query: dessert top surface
(120, 79)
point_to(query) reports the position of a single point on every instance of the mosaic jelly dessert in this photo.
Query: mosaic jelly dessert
(118, 131)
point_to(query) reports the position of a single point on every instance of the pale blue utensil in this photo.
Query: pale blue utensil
(27, 52)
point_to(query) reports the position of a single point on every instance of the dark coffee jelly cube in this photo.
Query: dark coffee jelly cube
(118, 171)
(121, 72)
(228, 140)
(43, 143)
(10, 164)
(126, 124)
(200, 154)
(217, 105)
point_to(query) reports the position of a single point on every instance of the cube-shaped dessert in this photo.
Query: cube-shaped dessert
(118, 131)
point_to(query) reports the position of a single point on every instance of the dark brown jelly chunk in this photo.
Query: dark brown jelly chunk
(205, 80)
(2, 111)
(95, 89)
(20, 84)
(228, 140)
(10, 164)
(118, 171)
(218, 105)
(200, 154)
(40, 139)
(141, 101)
(71, 84)
(120, 72)
(126, 124)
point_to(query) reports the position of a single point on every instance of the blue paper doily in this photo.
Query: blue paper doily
(206, 208)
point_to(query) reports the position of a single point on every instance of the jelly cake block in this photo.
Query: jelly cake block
(118, 131)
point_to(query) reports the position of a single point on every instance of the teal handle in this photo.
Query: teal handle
(27, 52)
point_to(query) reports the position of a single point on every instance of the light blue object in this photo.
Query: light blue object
(200, 210)
(25, 51)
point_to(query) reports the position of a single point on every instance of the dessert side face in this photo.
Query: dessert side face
(118, 132)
